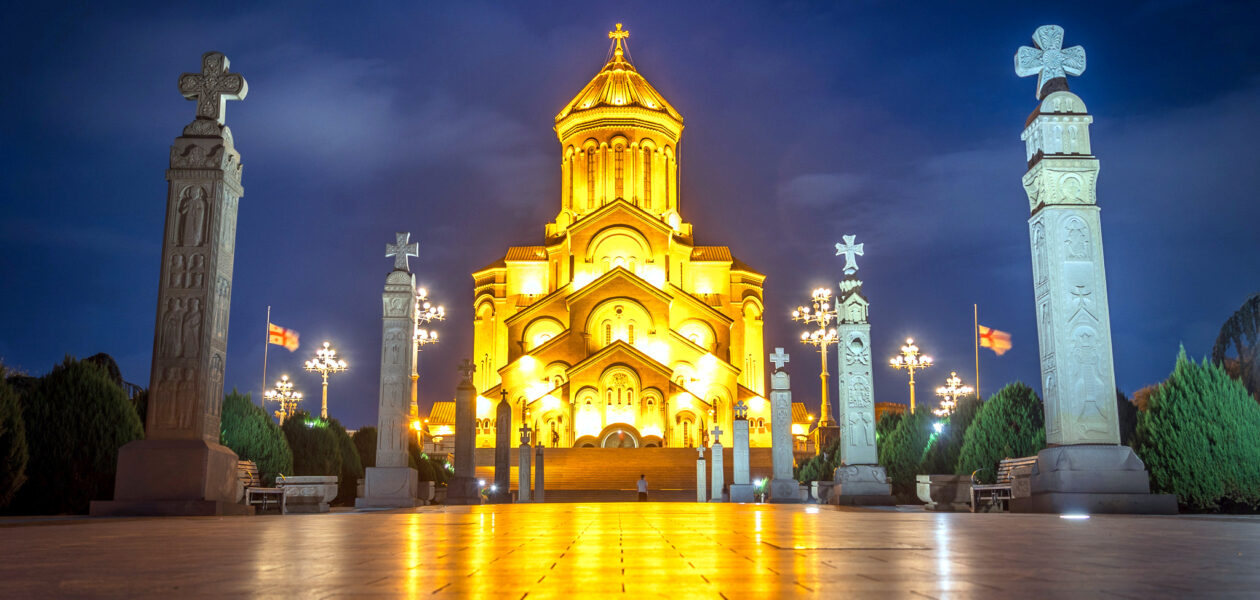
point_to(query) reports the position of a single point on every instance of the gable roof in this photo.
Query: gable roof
(622, 347)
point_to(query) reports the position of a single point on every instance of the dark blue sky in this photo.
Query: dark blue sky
(895, 122)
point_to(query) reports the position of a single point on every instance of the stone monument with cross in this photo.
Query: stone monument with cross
(783, 487)
(180, 468)
(391, 482)
(463, 488)
(718, 468)
(522, 465)
(502, 450)
(1084, 468)
(859, 479)
(701, 475)
(742, 489)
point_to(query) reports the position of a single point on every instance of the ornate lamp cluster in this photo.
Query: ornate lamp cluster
(284, 394)
(426, 312)
(325, 363)
(911, 361)
(949, 394)
(819, 314)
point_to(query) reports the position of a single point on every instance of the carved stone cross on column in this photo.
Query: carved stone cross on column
(525, 430)
(779, 358)
(401, 250)
(717, 434)
(1049, 60)
(213, 86)
(849, 249)
(700, 451)
(741, 410)
(466, 369)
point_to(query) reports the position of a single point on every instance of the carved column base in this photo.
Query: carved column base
(1092, 479)
(865, 485)
(462, 491)
(174, 477)
(389, 487)
(785, 491)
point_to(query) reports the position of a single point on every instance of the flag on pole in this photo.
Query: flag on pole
(282, 337)
(997, 341)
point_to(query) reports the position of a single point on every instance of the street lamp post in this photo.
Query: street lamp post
(284, 394)
(910, 360)
(325, 363)
(819, 312)
(949, 394)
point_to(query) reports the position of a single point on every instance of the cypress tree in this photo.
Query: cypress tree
(902, 451)
(942, 453)
(315, 447)
(252, 435)
(365, 443)
(1010, 424)
(13, 452)
(1200, 438)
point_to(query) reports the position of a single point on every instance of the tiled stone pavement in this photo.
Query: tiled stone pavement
(672, 550)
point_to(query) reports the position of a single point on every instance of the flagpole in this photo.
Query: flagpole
(975, 333)
(266, 345)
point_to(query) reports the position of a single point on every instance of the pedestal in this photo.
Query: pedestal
(540, 492)
(1092, 479)
(389, 487)
(719, 473)
(861, 485)
(743, 492)
(785, 491)
(173, 477)
(461, 491)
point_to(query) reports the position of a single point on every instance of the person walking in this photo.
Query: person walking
(642, 489)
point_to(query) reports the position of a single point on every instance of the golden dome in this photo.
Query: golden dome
(619, 91)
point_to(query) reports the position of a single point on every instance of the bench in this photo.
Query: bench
(999, 494)
(255, 493)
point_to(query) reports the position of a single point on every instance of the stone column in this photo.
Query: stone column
(741, 488)
(783, 488)
(1085, 468)
(392, 483)
(463, 489)
(522, 492)
(180, 468)
(719, 473)
(859, 479)
(701, 476)
(503, 452)
(539, 489)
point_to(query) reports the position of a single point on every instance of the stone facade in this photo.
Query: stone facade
(180, 467)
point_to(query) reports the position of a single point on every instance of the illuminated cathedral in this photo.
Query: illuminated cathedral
(619, 330)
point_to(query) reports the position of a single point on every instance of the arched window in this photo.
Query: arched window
(630, 333)
(590, 178)
(608, 336)
(619, 168)
(647, 178)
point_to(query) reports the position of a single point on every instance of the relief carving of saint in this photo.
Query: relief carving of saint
(859, 393)
(192, 329)
(171, 326)
(1087, 382)
(1070, 185)
(1077, 242)
(1041, 262)
(176, 279)
(192, 215)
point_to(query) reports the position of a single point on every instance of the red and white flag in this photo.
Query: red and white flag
(282, 337)
(997, 341)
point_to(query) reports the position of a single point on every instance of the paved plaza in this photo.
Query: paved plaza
(673, 550)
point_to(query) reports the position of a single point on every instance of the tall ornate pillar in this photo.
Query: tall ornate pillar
(859, 479)
(1085, 468)
(180, 468)
(392, 483)
(783, 488)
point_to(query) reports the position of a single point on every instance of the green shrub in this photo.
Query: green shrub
(365, 443)
(887, 423)
(821, 467)
(1010, 424)
(76, 420)
(140, 403)
(314, 444)
(252, 435)
(941, 456)
(351, 467)
(419, 461)
(1126, 413)
(1200, 438)
(902, 450)
(13, 453)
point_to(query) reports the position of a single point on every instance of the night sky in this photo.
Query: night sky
(803, 122)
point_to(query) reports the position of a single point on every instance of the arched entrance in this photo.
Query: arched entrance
(620, 435)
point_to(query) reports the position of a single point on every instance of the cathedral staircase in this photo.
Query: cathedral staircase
(611, 474)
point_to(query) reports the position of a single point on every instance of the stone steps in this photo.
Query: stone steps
(600, 474)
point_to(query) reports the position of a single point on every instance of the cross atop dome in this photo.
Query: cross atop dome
(619, 34)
